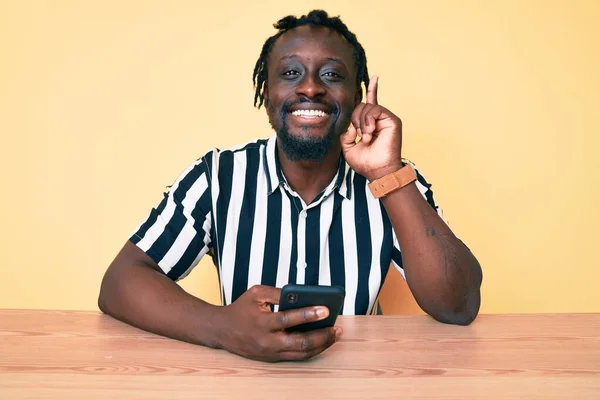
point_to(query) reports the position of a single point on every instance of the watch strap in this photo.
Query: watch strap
(394, 181)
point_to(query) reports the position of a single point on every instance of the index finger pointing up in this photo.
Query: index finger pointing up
(372, 90)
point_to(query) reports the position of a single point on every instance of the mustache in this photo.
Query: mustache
(303, 100)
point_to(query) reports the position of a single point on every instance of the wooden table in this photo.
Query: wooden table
(87, 355)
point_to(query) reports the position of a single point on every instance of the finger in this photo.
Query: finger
(305, 341)
(348, 138)
(372, 90)
(356, 116)
(367, 122)
(287, 319)
(263, 294)
(306, 345)
(302, 355)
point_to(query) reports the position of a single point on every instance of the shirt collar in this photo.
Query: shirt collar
(272, 168)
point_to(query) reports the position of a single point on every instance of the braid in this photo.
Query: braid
(315, 17)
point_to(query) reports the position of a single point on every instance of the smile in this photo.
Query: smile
(309, 113)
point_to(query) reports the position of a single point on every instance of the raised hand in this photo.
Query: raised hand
(378, 152)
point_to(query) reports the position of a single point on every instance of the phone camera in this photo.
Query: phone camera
(292, 298)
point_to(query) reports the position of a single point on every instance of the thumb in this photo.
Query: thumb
(263, 294)
(348, 138)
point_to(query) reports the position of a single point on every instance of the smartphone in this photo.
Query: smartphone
(299, 296)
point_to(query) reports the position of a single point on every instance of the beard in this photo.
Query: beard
(305, 147)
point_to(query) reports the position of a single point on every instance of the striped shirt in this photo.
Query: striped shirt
(236, 205)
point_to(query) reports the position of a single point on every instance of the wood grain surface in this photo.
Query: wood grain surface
(87, 355)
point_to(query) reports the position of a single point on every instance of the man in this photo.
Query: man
(328, 200)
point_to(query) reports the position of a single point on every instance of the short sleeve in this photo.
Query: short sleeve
(177, 233)
(425, 189)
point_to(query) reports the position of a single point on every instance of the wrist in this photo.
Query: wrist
(208, 326)
(219, 327)
(383, 171)
(392, 181)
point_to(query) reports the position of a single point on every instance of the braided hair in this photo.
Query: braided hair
(317, 18)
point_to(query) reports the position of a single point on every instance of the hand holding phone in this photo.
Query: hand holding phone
(249, 328)
(299, 296)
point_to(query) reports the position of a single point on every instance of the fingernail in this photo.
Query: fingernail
(322, 312)
(338, 332)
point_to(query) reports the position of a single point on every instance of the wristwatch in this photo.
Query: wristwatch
(394, 181)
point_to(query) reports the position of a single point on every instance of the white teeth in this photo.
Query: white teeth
(309, 113)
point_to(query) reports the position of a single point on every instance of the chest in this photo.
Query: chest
(275, 239)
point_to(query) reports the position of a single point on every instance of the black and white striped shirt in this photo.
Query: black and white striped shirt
(237, 205)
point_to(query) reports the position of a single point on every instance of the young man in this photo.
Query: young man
(328, 200)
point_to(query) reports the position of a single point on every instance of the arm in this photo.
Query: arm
(139, 286)
(136, 292)
(441, 271)
(443, 275)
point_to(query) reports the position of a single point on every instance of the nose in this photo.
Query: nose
(310, 86)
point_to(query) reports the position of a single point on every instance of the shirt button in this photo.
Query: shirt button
(302, 214)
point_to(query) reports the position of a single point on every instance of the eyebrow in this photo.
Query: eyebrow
(336, 60)
(296, 56)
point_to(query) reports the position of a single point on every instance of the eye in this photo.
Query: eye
(291, 72)
(333, 75)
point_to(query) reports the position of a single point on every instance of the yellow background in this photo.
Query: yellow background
(103, 104)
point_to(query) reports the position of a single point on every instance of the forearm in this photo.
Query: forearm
(442, 273)
(143, 297)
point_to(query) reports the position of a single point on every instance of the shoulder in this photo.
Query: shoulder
(239, 152)
(213, 157)
(216, 159)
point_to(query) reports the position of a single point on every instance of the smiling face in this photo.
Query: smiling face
(311, 90)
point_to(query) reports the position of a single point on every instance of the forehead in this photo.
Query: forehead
(313, 41)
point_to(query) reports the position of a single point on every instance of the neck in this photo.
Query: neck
(309, 178)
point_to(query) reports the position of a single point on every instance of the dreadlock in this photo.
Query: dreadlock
(318, 18)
